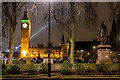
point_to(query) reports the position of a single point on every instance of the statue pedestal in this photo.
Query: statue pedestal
(103, 54)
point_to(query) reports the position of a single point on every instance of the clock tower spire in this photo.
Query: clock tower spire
(25, 35)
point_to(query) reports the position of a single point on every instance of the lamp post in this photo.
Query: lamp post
(49, 62)
(88, 57)
(94, 52)
(81, 55)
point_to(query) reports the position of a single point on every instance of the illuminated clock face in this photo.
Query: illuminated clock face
(24, 25)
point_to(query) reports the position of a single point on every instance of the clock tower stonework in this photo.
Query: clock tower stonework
(25, 35)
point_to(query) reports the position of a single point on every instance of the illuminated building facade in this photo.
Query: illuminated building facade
(40, 50)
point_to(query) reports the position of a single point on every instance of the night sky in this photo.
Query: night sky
(39, 19)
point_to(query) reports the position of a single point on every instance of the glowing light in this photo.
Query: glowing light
(81, 50)
(88, 53)
(7, 50)
(25, 21)
(24, 52)
(6, 58)
(94, 47)
(16, 47)
(106, 56)
(61, 52)
(19, 46)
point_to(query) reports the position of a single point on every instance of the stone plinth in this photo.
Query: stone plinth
(103, 54)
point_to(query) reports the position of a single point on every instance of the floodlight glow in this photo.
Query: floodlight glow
(16, 47)
(24, 52)
(41, 29)
(44, 27)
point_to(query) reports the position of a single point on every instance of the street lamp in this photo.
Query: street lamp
(8, 50)
(88, 53)
(94, 52)
(49, 61)
(94, 47)
(81, 54)
(81, 50)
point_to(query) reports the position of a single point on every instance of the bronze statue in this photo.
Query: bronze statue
(103, 32)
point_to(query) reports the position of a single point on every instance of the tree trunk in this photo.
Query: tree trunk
(72, 40)
(12, 34)
(11, 45)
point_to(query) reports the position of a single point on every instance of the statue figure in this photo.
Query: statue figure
(103, 32)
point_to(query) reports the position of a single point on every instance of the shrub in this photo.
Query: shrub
(4, 72)
(14, 69)
(102, 67)
(4, 69)
(19, 63)
(79, 68)
(44, 68)
(89, 69)
(66, 71)
(32, 69)
(66, 68)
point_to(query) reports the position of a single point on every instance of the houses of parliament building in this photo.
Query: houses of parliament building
(40, 51)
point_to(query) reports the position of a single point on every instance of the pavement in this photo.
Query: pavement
(71, 77)
(89, 78)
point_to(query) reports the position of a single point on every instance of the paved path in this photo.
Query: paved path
(66, 78)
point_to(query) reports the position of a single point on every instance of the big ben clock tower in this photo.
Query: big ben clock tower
(25, 35)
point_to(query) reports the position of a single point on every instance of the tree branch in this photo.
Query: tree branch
(7, 12)
(20, 6)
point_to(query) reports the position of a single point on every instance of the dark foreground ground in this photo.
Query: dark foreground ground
(70, 77)
(90, 78)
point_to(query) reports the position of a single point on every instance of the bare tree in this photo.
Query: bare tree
(91, 17)
(115, 31)
(115, 12)
(72, 14)
(71, 33)
(10, 12)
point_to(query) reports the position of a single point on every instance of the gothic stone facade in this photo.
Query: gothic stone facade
(39, 51)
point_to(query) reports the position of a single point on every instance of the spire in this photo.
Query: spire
(25, 17)
(63, 39)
